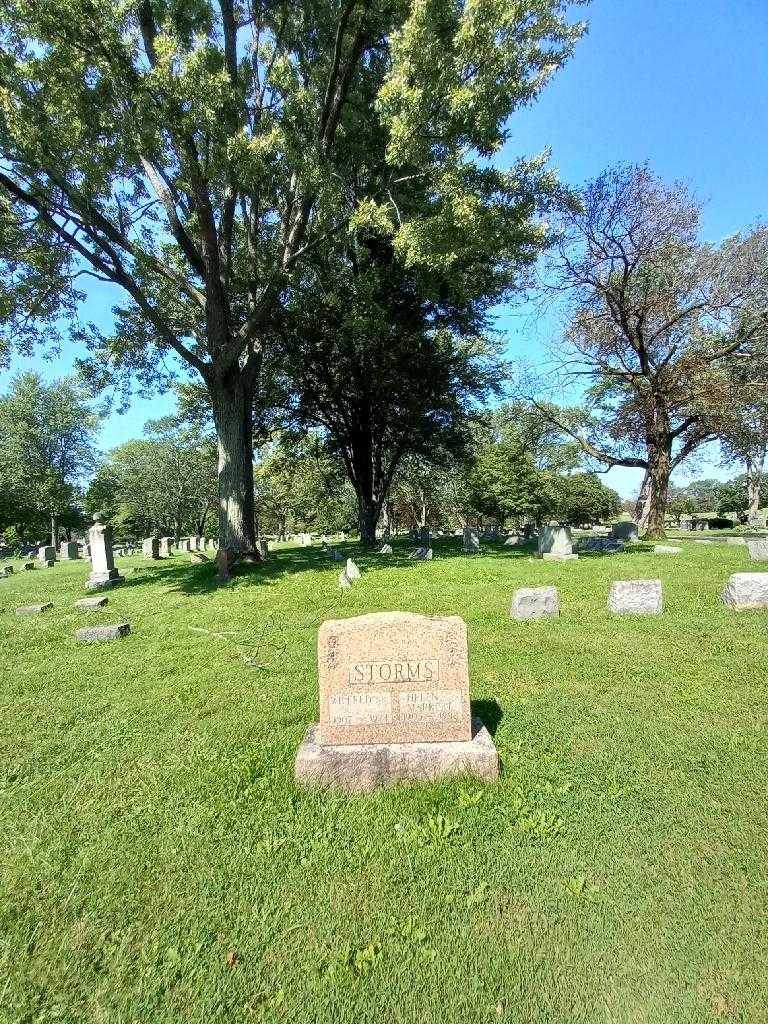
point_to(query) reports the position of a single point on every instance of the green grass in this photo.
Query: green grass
(159, 864)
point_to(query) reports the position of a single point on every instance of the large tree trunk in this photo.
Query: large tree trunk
(368, 510)
(754, 479)
(233, 417)
(658, 474)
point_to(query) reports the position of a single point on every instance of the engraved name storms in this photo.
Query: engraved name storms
(425, 671)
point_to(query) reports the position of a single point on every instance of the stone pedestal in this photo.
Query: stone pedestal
(361, 767)
(103, 571)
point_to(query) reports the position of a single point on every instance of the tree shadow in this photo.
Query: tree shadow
(489, 712)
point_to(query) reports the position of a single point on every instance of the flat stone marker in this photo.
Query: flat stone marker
(197, 557)
(87, 604)
(97, 634)
(666, 549)
(758, 550)
(636, 597)
(735, 540)
(352, 570)
(394, 704)
(344, 581)
(703, 542)
(746, 590)
(34, 609)
(535, 603)
(8, 570)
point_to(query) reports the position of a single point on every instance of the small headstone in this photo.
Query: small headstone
(150, 548)
(28, 566)
(197, 557)
(89, 604)
(344, 581)
(184, 544)
(352, 570)
(470, 541)
(166, 547)
(746, 590)
(758, 550)
(264, 550)
(636, 597)
(555, 544)
(305, 540)
(535, 603)
(624, 529)
(386, 549)
(7, 570)
(666, 549)
(96, 634)
(421, 555)
(511, 542)
(69, 550)
(222, 564)
(50, 563)
(47, 553)
(34, 609)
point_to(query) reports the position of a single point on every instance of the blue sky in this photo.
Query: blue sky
(680, 83)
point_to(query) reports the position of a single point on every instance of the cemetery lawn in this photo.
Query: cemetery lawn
(159, 864)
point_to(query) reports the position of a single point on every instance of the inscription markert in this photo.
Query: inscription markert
(425, 671)
(393, 677)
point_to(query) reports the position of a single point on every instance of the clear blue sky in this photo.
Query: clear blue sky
(680, 83)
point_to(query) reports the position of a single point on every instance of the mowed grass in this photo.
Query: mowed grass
(159, 864)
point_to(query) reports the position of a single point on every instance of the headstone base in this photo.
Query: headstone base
(551, 556)
(101, 582)
(359, 768)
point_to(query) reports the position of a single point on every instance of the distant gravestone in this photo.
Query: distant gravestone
(555, 544)
(222, 564)
(47, 553)
(264, 550)
(28, 566)
(666, 549)
(7, 570)
(624, 530)
(305, 539)
(184, 544)
(758, 550)
(352, 570)
(344, 581)
(535, 603)
(470, 541)
(746, 590)
(636, 597)
(421, 555)
(386, 549)
(196, 544)
(98, 634)
(166, 547)
(150, 548)
(69, 550)
(511, 542)
(103, 571)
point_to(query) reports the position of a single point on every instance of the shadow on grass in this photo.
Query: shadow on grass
(489, 712)
(201, 579)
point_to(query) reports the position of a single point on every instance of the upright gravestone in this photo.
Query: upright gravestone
(69, 550)
(184, 544)
(746, 590)
(758, 550)
(305, 539)
(471, 541)
(555, 544)
(150, 547)
(103, 571)
(195, 543)
(166, 547)
(625, 529)
(46, 553)
(394, 704)
(386, 549)
(264, 550)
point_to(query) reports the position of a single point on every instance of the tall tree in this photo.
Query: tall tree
(193, 154)
(656, 318)
(47, 447)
